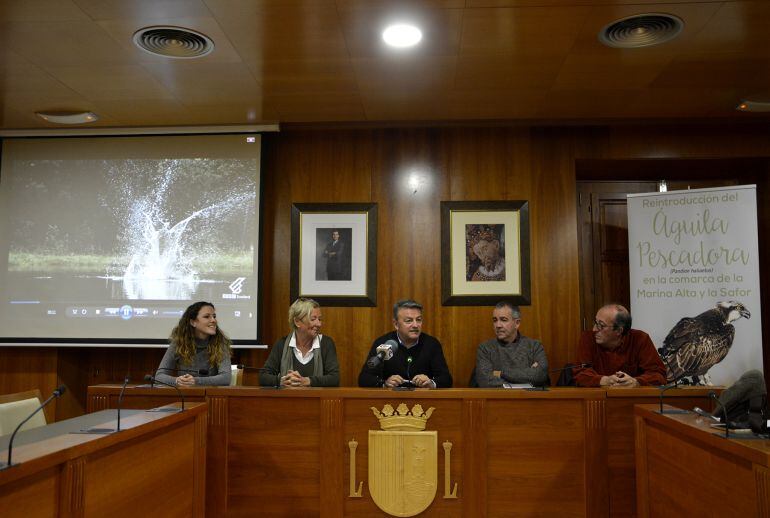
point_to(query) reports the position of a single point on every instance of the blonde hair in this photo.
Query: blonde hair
(300, 310)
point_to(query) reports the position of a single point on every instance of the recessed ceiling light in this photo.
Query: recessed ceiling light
(68, 117)
(402, 35)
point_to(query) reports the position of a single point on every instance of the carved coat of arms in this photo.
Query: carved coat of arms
(403, 468)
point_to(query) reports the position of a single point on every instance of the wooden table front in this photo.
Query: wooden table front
(566, 451)
(154, 466)
(621, 464)
(686, 468)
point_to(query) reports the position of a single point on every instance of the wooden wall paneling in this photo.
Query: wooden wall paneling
(687, 141)
(350, 154)
(73, 371)
(555, 274)
(330, 166)
(498, 164)
(488, 164)
(26, 368)
(409, 219)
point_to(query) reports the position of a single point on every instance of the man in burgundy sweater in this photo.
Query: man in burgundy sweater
(616, 355)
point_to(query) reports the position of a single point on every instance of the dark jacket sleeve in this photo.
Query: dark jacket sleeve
(331, 375)
(439, 368)
(371, 377)
(268, 376)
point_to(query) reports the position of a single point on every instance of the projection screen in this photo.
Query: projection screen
(106, 240)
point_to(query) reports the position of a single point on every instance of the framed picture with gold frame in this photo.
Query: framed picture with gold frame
(485, 252)
(334, 253)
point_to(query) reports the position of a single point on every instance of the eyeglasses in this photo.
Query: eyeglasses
(601, 326)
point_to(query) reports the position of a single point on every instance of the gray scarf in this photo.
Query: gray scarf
(287, 359)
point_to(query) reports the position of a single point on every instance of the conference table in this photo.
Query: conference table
(314, 451)
(155, 466)
(685, 467)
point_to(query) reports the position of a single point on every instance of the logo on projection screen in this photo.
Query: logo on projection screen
(236, 287)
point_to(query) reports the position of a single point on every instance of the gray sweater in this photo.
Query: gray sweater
(171, 367)
(513, 360)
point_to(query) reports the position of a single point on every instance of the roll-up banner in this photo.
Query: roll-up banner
(694, 267)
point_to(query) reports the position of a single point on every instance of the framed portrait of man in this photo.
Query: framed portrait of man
(484, 252)
(334, 253)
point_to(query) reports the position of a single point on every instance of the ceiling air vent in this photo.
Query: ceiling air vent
(641, 30)
(173, 42)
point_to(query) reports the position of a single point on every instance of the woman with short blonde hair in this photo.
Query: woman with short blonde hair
(305, 357)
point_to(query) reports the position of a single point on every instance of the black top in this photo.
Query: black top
(427, 358)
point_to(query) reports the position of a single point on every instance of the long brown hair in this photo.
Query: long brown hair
(183, 337)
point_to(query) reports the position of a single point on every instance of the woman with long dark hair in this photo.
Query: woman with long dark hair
(198, 352)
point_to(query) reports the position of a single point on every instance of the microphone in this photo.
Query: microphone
(56, 393)
(384, 352)
(713, 396)
(664, 388)
(109, 430)
(153, 380)
(120, 400)
(408, 384)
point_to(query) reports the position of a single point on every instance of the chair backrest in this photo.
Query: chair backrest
(14, 408)
(566, 378)
(237, 378)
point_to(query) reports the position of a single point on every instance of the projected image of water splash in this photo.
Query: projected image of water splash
(165, 243)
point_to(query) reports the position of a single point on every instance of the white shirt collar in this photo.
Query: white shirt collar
(304, 360)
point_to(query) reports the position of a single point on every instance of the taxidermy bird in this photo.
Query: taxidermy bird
(695, 344)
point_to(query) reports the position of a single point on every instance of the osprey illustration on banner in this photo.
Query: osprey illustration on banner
(695, 344)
